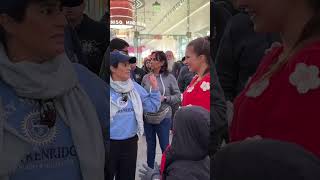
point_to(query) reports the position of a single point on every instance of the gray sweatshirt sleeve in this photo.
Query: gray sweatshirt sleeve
(175, 94)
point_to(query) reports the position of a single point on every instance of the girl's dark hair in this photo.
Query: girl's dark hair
(201, 46)
(161, 56)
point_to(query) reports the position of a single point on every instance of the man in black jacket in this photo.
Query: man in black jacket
(221, 12)
(93, 35)
(185, 76)
(137, 73)
(218, 113)
(115, 44)
(239, 54)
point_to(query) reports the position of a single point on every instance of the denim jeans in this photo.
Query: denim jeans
(162, 130)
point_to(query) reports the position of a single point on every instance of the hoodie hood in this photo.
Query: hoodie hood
(265, 160)
(191, 133)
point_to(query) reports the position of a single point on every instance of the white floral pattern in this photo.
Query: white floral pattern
(190, 89)
(256, 89)
(305, 78)
(205, 86)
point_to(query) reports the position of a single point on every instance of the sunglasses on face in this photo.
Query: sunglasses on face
(125, 52)
(154, 59)
(124, 97)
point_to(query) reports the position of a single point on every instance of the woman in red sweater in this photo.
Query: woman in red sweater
(281, 100)
(197, 60)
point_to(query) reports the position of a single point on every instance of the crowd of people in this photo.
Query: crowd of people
(241, 104)
(73, 104)
(145, 102)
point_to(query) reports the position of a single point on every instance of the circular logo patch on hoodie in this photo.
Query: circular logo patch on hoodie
(36, 132)
(121, 102)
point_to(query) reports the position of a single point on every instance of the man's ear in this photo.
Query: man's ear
(112, 69)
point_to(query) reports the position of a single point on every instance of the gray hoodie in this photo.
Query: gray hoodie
(187, 158)
(171, 87)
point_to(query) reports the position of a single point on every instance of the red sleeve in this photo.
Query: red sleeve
(163, 160)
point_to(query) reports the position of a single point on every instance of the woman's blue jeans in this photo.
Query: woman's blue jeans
(151, 130)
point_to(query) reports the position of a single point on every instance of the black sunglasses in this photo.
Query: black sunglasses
(124, 97)
(125, 52)
(48, 113)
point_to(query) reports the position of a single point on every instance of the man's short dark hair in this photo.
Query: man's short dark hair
(16, 9)
(118, 44)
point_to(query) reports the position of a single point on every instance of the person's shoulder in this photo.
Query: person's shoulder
(169, 76)
(87, 77)
(146, 76)
(95, 24)
(82, 70)
(184, 68)
(138, 87)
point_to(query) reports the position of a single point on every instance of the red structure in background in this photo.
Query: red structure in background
(140, 49)
(121, 12)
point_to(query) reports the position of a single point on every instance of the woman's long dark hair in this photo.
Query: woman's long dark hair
(161, 56)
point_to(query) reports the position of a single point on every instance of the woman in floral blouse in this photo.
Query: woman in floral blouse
(197, 60)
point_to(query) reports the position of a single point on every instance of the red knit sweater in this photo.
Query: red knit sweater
(199, 95)
(281, 112)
